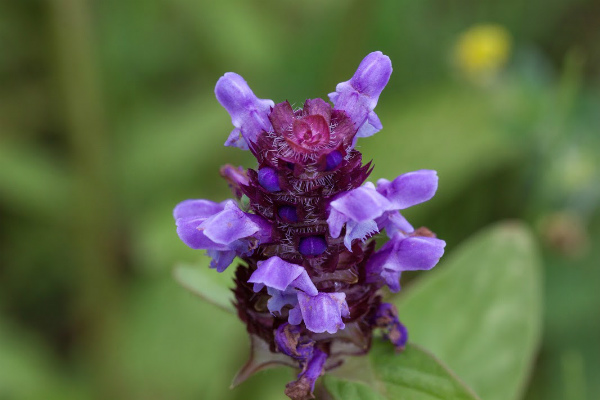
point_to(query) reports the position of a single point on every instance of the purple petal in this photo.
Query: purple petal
(358, 97)
(189, 216)
(392, 279)
(386, 318)
(236, 176)
(295, 315)
(377, 261)
(276, 273)
(371, 126)
(352, 103)
(314, 368)
(265, 229)
(336, 221)
(229, 225)
(372, 75)
(280, 298)
(289, 341)
(304, 283)
(404, 254)
(394, 223)
(410, 188)
(361, 204)
(235, 139)
(324, 311)
(190, 234)
(359, 230)
(221, 259)
(418, 253)
(248, 113)
(197, 209)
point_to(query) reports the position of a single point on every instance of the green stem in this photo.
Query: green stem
(92, 215)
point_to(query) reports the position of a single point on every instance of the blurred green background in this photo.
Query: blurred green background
(108, 119)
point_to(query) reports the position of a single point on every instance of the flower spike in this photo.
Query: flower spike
(304, 225)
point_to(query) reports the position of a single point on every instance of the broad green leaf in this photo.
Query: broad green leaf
(198, 281)
(413, 374)
(480, 311)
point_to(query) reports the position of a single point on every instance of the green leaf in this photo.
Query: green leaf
(199, 282)
(413, 374)
(480, 311)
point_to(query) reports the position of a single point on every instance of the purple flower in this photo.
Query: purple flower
(321, 313)
(289, 340)
(249, 114)
(289, 284)
(310, 296)
(358, 209)
(236, 177)
(221, 228)
(402, 253)
(358, 97)
(386, 318)
(303, 387)
(409, 189)
(283, 281)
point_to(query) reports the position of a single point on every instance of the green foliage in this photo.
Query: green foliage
(495, 281)
(413, 374)
(200, 282)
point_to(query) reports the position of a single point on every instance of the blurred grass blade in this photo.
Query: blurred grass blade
(411, 375)
(480, 311)
(199, 282)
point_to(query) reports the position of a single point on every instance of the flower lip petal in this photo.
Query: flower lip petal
(359, 230)
(195, 238)
(372, 75)
(221, 259)
(196, 208)
(409, 189)
(358, 96)
(229, 225)
(361, 204)
(336, 221)
(236, 97)
(323, 312)
(276, 273)
(418, 253)
(249, 114)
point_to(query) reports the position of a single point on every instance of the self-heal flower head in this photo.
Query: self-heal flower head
(308, 280)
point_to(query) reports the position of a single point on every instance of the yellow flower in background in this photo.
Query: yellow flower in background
(482, 51)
